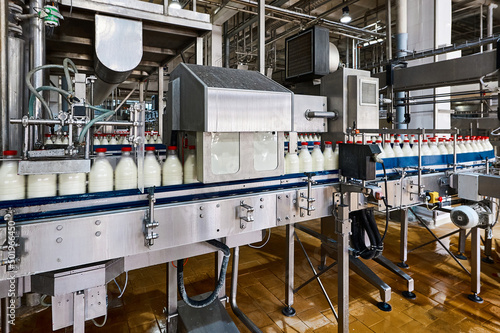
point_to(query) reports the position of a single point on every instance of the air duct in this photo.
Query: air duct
(118, 51)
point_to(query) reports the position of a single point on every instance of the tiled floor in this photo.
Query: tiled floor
(440, 285)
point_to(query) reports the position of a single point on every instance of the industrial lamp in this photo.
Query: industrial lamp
(346, 18)
(175, 4)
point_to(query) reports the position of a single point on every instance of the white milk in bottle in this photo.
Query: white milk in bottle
(42, 186)
(318, 161)
(48, 139)
(291, 163)
(172, 168)
(328, 156)
(305, 159)
(388, 151)
(152, 169)
(190, 175)
(113, 140)
(442, 147)
(426, 150)
(97, 142)
(407, 151)
(398, 152)
(72, 183)
(126, 171)
(12, 185)
(101, 173)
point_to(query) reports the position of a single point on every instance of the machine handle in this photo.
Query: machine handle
(321, 114)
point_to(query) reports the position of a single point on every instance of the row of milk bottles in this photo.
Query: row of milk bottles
(315, 161)
(56, 139)
(101, 178)
(123, 139)
(432, 146)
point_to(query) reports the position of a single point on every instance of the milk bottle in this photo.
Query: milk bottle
(12, 185)
(97, 142)
(336, 156)
(305, 159)
(152, 169)
(388, 151)
(48, 140)
(104, 139)
(398, 152)
(42, 186)
(190, 175)
(126, 171)
(291, 163)
(101, 173)
(113, 140)
(426, 150)
(72, 183)
(318, 161)
(442, 148)
(407, 151)
(328, 156)
(172, 168)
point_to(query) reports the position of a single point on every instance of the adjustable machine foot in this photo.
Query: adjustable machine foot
(475, 298)
(386, 307)
(403, 264)
(461, 256)
(488, 260)
(409, 295)
(288, 311)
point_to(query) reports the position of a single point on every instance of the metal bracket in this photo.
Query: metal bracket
(246, 214)
(309, 199)
(11, 242)
(149, 221)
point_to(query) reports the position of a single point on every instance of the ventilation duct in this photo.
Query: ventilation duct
(118, 51)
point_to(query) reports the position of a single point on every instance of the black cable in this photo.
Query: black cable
(222, 278)
(386, 205)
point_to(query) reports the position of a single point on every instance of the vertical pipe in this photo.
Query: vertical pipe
(354, 55)
(290, 271)
(475, 261)
(5, 315)
(343, 227)
(489, 25)
(347, 53)
(37, 59)
(481, 26)
(388, 30)
(401, 47)
(15, 87)
(160, 100)
(199, 50)
(262, 36)
(226, 47)
(4, 84)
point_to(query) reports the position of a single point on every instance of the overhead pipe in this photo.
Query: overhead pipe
(401, 47)
(489, 25)
(4, 65)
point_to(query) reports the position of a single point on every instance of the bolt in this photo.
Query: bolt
(59, 227)
(201, 207)
(261, 206)
(97, 234)
(97, 222)
(279, 197)
(279, 219)
(287, 218)
(201, 215)
(287, 196)
(218, 205)
(261, 199)
(59, 240)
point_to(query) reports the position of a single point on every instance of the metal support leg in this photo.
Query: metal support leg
(475, 266)
(79, 312)
(171, 309)
(343, 228)
(403, 246)
(234, 291)
(322, 264)
(462, 237)
(5, 315)
(290, 257)
(488, 243)
(409, 294)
